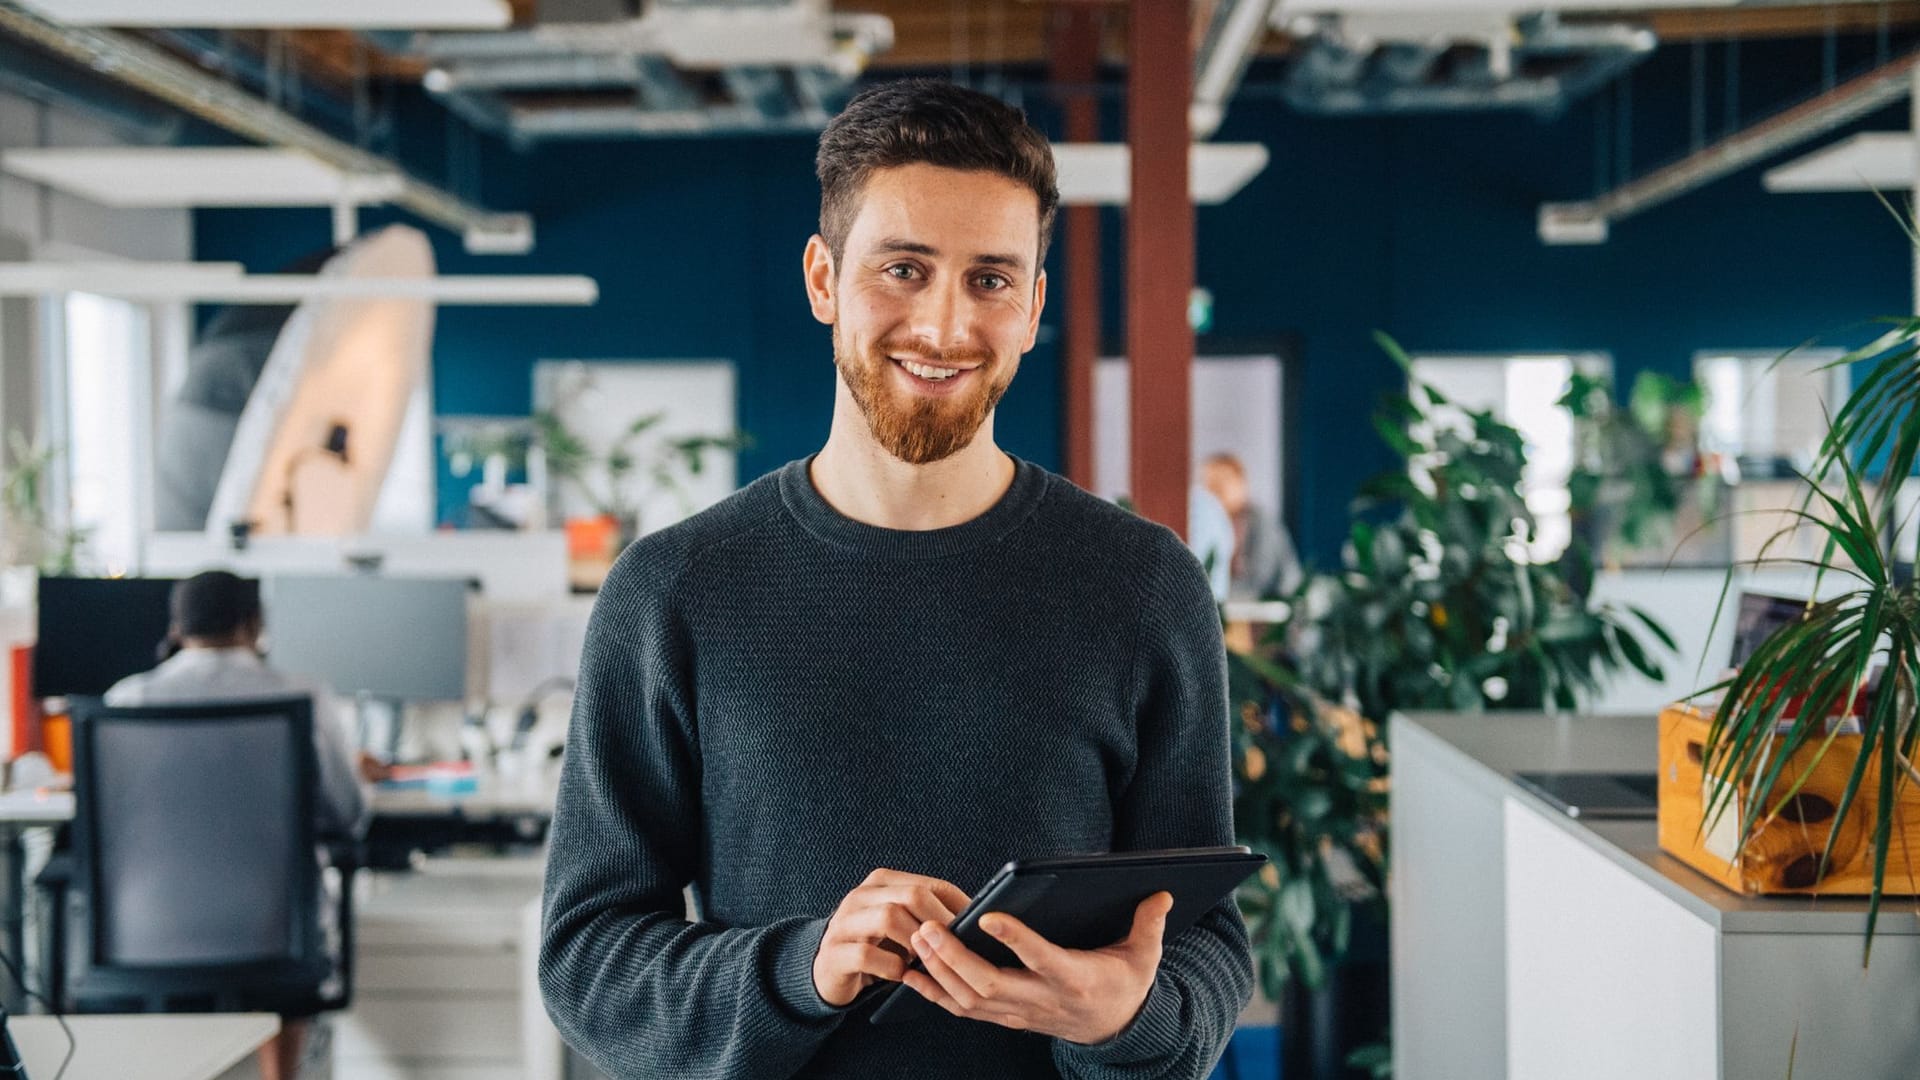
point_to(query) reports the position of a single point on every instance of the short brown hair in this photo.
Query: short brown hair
(1228, 460)
(927, 122)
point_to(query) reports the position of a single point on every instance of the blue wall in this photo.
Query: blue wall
(1420, 226)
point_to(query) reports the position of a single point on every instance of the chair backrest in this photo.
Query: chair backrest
(194, 834)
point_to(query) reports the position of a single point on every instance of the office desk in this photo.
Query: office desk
(1531, 945)
(205, 1046)
(495, 797)
(504, 808)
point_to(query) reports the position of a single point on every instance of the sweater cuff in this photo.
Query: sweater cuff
(1156, 1032)
(793, 956)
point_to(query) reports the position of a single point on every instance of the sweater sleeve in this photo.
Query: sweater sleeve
(1180, 795)
(629, 982)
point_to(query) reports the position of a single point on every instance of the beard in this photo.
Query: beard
(921, 430)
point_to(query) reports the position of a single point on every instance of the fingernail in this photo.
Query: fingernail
(993, 926)
(933, 935)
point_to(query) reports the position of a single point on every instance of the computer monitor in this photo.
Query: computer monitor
(397, 638)
(93, 632)
(1759, 616)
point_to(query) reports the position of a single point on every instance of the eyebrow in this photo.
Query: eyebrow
(914, 247)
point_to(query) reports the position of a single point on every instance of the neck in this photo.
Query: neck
(861, 480)
(216, 643)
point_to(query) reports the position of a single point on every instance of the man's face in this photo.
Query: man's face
(1226, 485)
(934, 301)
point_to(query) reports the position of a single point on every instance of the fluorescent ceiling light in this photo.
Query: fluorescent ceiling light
(223, 283)
(37, 278)
(178, 176)
(360, 14)
(1099, 172)
(1869, 161)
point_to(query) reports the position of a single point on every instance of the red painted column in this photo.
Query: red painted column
(1076, 60)
(1160, 260)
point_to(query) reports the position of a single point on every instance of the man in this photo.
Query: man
(851, 691)
(1264, 562)
(215, 631)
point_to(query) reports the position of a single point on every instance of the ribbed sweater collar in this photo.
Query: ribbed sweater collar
(813, 512)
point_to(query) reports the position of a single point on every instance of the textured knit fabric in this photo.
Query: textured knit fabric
(775, 700)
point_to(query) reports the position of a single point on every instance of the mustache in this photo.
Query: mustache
(923, 349)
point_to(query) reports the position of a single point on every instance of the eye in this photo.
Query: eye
(903, 271)
(992, 282)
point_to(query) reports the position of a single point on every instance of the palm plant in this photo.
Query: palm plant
(1819, 666)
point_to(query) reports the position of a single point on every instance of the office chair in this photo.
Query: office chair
(193, 858)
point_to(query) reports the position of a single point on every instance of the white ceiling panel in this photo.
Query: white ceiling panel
(1100, 173)
(195, 176)
(362, 14)
(1869, 161)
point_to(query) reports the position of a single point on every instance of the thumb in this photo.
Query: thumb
(1150, 921)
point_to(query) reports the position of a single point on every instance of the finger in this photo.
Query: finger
(875, 961)
(920, 900)
(884, 922)
(926, 987)
(1150, 922)
(966, 998)
(981, 979)
(946, 892)
(1039, 955)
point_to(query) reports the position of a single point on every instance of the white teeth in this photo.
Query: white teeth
(934, 374)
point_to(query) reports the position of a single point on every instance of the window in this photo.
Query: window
(100, 419)
(1522, 391)
(1768, 415)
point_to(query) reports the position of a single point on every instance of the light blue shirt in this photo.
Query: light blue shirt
(1210, 538)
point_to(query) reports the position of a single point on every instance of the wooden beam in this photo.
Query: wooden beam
(1799, 20)
(1076, 48)
(1160, 262)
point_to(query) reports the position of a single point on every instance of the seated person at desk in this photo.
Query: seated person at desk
(214, 641)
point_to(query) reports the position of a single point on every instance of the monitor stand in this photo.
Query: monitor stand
(380, 722)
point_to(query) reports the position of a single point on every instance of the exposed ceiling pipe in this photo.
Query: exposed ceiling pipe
(152, 71)
(1233, 36)
(1587, 222)
(614, 122)
(1337, 77)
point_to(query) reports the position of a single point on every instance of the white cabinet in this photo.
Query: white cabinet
(445, 986)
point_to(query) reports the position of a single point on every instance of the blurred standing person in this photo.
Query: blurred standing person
(1264, 561)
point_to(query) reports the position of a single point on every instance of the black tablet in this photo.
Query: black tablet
(1084, 902)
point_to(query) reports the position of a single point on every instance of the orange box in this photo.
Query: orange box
(1783, 857)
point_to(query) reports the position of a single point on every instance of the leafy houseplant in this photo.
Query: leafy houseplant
(1633, 467)
(1819, 666)
(28, 535)
(605, 479)
(1437, 605)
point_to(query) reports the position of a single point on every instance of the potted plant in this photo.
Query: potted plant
(1635, 469)
(1774, 728)
(29, 538)
(605, 478)
(1437, 604)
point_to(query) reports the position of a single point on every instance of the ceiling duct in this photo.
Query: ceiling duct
(1349, 67)
(136, 64)
(595, 69)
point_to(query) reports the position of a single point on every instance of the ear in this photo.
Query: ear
(1039, 305)
(821, 278)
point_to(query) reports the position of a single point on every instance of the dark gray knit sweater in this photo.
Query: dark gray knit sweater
(775, 700)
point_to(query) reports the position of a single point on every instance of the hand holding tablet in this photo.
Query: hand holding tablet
(1084, 903)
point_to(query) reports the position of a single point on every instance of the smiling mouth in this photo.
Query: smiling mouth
(933, 373)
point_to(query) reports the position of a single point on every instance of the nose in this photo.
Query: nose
(941, 313)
